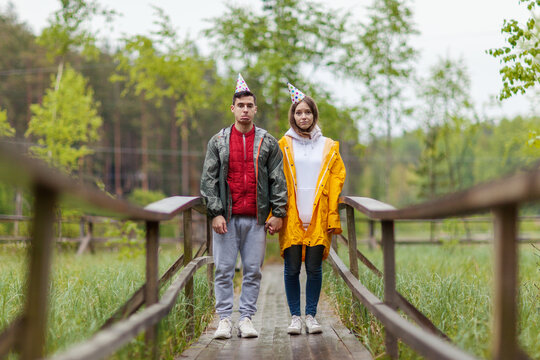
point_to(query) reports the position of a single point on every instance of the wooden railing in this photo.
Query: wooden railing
(26, 334)
(503, 198)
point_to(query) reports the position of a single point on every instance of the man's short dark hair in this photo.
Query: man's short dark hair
(241, 94)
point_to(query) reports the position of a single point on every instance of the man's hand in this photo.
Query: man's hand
(273, 225)
(219, 224)
(331, 230)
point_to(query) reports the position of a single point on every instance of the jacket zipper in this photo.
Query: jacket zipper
(245, 172)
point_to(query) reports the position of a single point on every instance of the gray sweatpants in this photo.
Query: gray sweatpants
(244, 235)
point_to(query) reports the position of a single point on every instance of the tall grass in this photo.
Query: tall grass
(452, 286)
(85, 291)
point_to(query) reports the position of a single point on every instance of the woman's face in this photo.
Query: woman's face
(303, 116)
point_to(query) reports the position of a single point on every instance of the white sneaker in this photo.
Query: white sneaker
(246, 329)
(224, 330)
(312, 326)
(296, 326)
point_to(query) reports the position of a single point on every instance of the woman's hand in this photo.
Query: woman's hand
(273, 225)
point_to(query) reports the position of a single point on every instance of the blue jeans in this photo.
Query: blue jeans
(293, 263)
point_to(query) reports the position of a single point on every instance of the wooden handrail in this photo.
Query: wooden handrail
(422, 341)
(107, 341)
(515, 189)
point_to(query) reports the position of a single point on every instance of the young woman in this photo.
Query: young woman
(315, 174)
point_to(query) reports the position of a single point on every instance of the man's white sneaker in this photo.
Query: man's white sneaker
(296, 326)
(246, 329)
(224, 330)
(312, 326)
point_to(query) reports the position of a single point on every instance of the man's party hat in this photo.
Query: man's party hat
(241, 84)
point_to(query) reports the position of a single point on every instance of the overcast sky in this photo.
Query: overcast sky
(457, 28)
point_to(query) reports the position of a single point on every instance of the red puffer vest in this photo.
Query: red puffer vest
(241, 176)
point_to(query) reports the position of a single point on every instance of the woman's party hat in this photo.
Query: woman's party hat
(296, 95)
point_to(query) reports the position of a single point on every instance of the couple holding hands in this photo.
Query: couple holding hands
(252, 184)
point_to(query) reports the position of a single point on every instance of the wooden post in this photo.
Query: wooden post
(210, 252)
(351, 230)
(372, 243)
(390, 296)
(34, 331)
(188, 256)
(505, 292)
(151, 290)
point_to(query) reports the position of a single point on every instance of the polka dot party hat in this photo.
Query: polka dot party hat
(296, 95)
(241, 84)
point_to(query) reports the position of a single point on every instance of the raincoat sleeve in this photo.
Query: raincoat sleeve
(210, 180)
(337, 178)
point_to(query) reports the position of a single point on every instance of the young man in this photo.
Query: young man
(242, 181)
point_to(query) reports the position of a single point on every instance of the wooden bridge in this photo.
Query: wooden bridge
(26, 334)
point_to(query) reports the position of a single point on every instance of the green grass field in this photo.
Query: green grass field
(452, 286)
(86, 291)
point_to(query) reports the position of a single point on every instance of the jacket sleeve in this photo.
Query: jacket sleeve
(337, 178)
(210, 180)
(277, 185)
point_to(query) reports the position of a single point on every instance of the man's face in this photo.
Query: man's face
(244, 110)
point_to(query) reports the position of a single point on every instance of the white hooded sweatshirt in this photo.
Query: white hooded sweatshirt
(308, 153)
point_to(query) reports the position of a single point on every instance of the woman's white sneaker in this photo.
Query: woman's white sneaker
(312, 325)
(224, 330)
(296, 326)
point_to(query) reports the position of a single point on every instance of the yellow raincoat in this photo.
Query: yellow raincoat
(325, 207)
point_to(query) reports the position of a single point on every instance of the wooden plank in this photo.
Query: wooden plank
(505, 292)
(422, 341)
(151, 289)
(109, 340)
(351, 230)
(188, 255)
(389, 276)
(37, 296)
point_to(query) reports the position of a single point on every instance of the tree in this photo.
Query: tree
(381, 57)
(522, 55)
(159, 68)
(5, 128)
(69, 31)
(276, 46)
(448, 136)
(66, 122)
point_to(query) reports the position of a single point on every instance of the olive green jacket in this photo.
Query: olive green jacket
(268, 163)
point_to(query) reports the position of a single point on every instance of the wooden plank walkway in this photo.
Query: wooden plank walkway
(272, 320)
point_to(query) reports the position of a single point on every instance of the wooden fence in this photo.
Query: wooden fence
(503, 198)
(26, 334)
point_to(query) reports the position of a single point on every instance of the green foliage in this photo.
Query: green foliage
(68, 32)
(273, 46)
(5, 128)
(521, 55)
(447, 159)
(66, 122)
(144, 197)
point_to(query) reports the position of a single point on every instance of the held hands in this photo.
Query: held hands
(331, 230)
(273, 225)
(219, 224)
